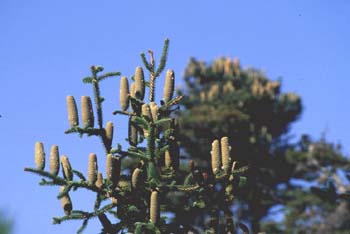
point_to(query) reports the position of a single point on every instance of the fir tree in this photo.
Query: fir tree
(144, 178)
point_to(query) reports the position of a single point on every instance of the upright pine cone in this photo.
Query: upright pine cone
(66, 168)
(215, 156)
(225, 153)
(54, 160)
(146, 111)
(86, 112)
(109, 133)
(172, 155)
(154, 207)
(39, 156)
(72, 112)
(132, 90)
(167, 159)
(113, 169)
(135, 178)
(154, 111)
(124, 93)
(169, 86)
(92, 168)
(139, 83)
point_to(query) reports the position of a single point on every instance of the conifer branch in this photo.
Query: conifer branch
(79, 174)
(83, 226)
(89, 131)
(136, 101)
(87, 80)
(145, 62)
(65, 191)
(174, 101)
(108, 75)
(56, 180)
(163, 58)
(97, 98)
(123, 113)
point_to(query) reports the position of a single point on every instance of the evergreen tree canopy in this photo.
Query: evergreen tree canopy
(249, 108)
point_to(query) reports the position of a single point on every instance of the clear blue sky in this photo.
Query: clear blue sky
(46, 47)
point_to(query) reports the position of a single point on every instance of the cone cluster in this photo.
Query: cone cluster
(220, 155)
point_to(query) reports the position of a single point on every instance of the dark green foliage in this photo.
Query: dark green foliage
(222, 98)
(323, 205)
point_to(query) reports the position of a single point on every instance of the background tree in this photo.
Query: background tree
(5, 224)
(319, 202)
(224, 99)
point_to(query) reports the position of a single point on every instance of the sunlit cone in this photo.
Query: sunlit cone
(87, 114)
(145, 110)
(109, 166)
(92, 168)
(228, 66)
(139, 83)
(132, 133)
(154, 207)
(169, 86)
(113, 169)
(135, 178)
(256, 87)
(215, 156)
(228, 87)
(99, 181)
(54, 160)
(66, 168)
(214, 91)
(132, 89)
(124, 93)
(72, 112)
(154, 111)
(236, 63)
(225, 153)
(218, 65)
(66, 203)
(273, 87)
(167, 159)
(39, 156)
(109, 133)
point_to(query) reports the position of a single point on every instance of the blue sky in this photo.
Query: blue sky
(47, 47)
